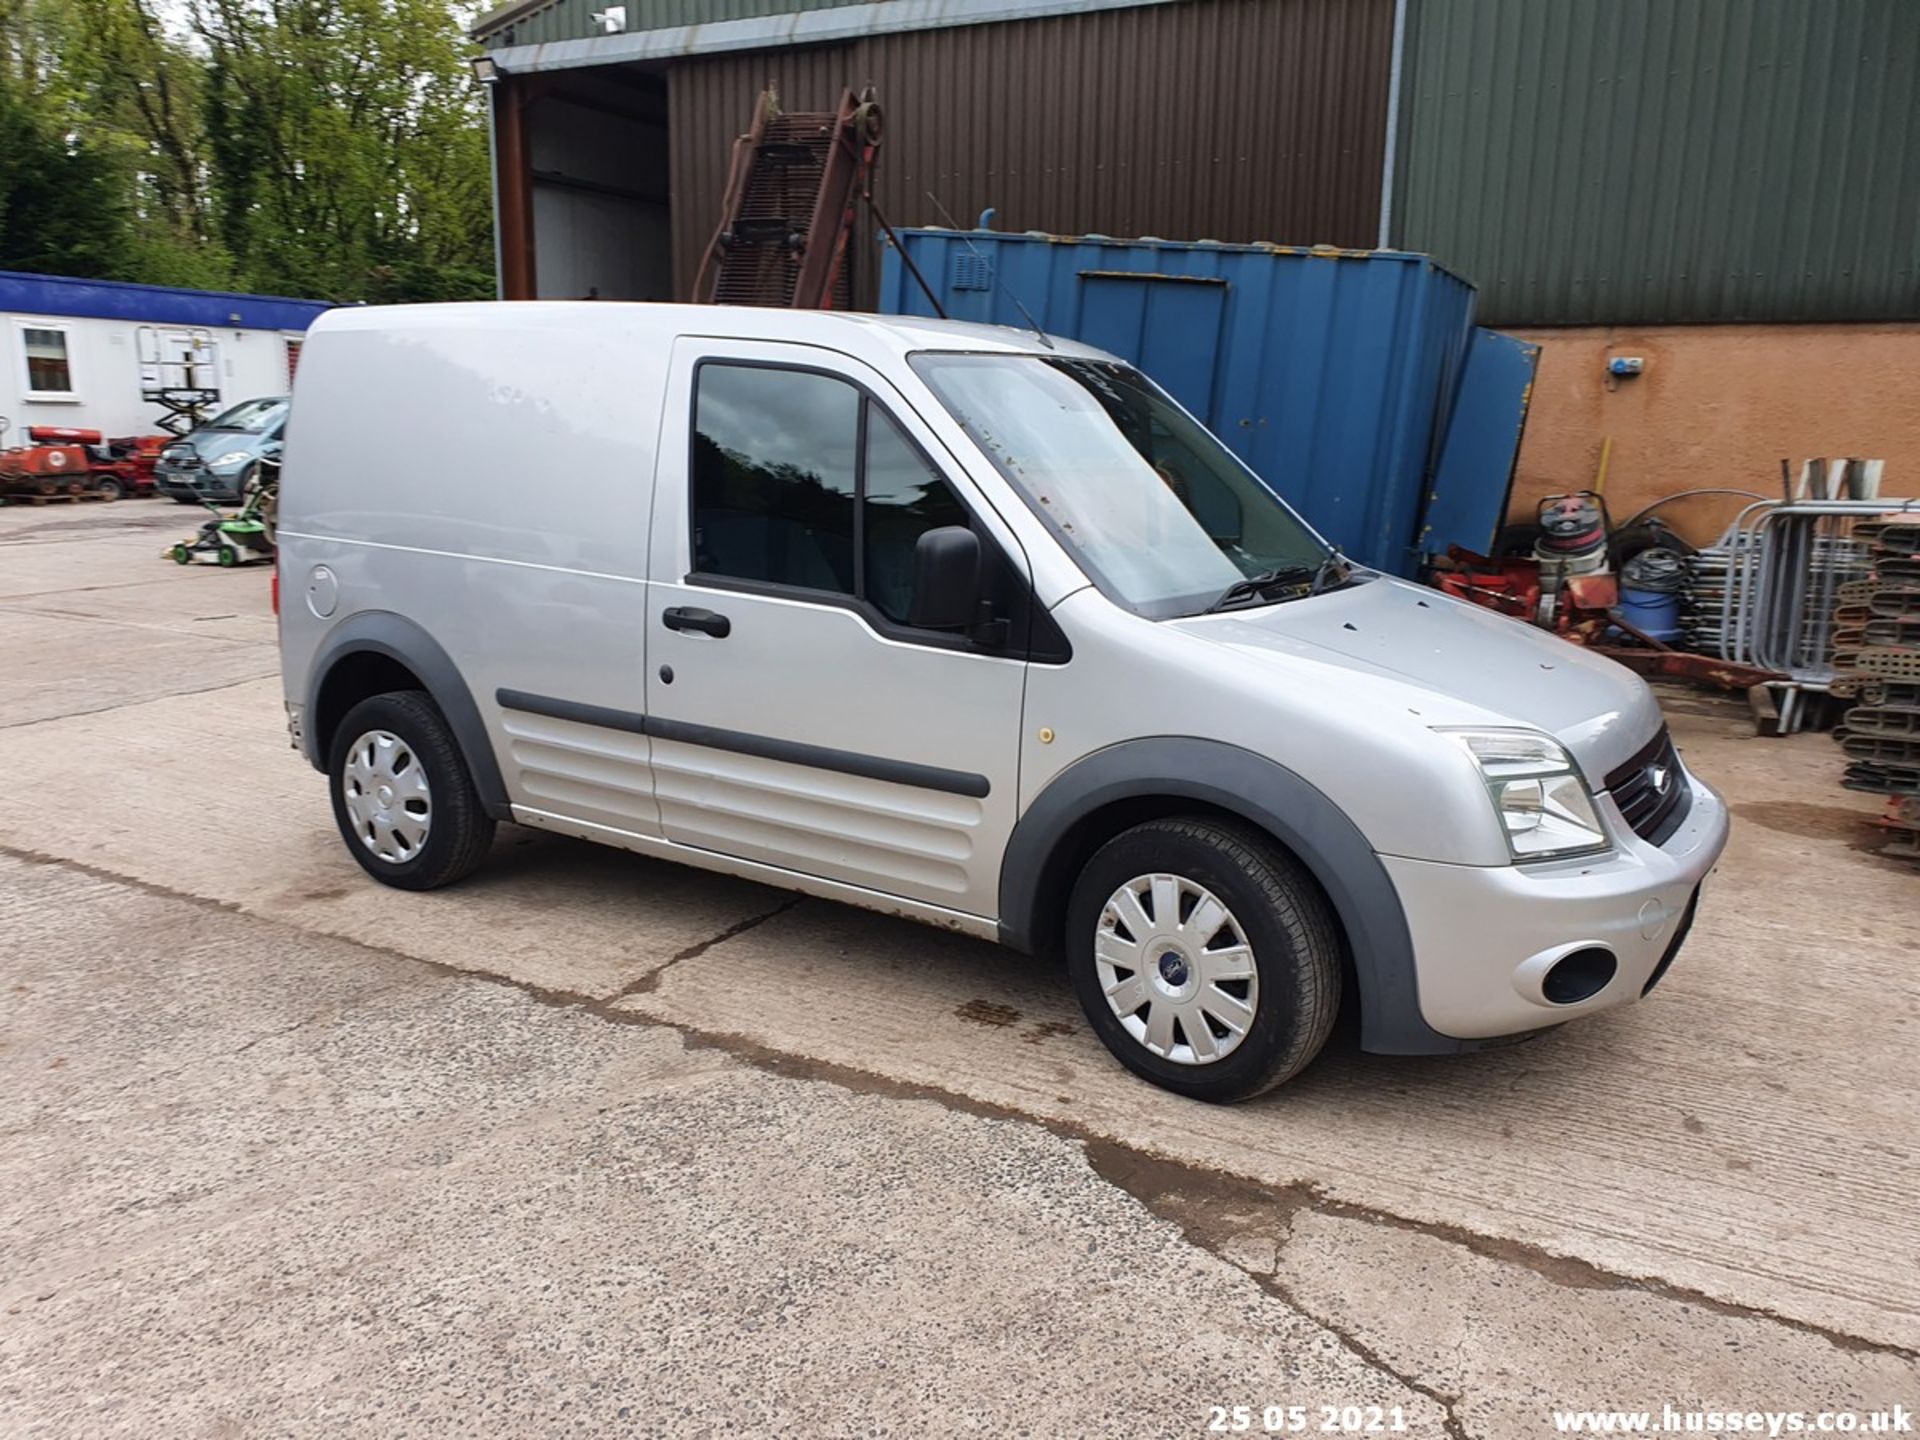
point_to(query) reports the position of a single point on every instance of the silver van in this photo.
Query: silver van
(969, 625)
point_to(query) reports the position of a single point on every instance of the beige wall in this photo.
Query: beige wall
(1717, 405)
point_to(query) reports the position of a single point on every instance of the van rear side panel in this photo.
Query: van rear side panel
(485, 472)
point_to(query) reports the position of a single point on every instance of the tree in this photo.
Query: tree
(142, 90)
(349, 145)
(61, 206)
(333, 148)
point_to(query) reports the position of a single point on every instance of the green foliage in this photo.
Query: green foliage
(61, 206)
(60, 200)
(333, 148)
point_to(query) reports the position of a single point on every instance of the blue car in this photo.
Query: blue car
(220, 460)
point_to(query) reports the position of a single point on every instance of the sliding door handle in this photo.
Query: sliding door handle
(691, 617)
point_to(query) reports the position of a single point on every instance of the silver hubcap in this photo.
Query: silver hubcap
(387, 796)
(1176, 969)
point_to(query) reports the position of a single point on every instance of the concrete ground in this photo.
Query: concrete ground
(591, 1144)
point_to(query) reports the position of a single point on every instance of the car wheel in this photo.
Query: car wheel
(110, 487)
(402, 795)
(1204, 957)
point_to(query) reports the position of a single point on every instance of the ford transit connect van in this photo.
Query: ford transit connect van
(969, 625)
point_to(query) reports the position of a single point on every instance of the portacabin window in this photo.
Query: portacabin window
(802, 480)
(49, 364)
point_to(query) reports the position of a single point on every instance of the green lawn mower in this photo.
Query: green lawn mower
(245, 537)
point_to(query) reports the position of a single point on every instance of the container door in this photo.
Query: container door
(797, 717)
(1473, 479)
(1168, 325)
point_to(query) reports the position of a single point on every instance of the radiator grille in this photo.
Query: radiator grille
(1652, 791)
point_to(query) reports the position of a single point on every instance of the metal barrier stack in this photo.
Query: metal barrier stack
(1766, 593)
(1876, 646)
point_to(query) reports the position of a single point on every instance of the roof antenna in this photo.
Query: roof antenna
(992, 273)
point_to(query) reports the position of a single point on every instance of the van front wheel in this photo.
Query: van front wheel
(1204, 956)
(402, 797)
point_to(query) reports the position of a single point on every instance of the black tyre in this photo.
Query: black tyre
(110, 487)
(402, 795)
(1625, 544)
(1226, 944)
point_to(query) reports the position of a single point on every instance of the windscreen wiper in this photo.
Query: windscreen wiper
(1336, 569)
(1261, 586)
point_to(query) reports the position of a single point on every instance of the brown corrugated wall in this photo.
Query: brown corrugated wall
(1213, 119)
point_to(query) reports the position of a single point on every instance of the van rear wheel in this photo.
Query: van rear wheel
(402, 796)
(1204, 956)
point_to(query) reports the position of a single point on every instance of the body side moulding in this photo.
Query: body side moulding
(766, 747)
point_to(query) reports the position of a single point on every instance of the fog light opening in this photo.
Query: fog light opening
(1579, 975)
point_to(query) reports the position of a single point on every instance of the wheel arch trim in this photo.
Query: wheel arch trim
(1267, 794)
(381, 632)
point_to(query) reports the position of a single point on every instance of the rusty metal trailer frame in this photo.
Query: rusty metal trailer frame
(762, 252)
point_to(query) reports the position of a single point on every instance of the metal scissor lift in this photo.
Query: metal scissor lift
(179, 372)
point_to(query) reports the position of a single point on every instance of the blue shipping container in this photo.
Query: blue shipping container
(1332, 373)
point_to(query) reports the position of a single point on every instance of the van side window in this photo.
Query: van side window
(774, 475)
(800, 479)
(901, 498)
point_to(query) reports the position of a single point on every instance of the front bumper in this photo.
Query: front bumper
(1484, 936)
(198, 484)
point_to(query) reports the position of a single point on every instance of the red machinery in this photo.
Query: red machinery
(1567, 584)
(132, 460)
(1511, 586)
(63, 460)
(50, 463)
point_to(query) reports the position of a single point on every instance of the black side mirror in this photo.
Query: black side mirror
(946, 579)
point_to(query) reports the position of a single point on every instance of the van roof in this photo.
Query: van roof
(852, 331)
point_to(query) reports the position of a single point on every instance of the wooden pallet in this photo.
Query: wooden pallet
(51, 499)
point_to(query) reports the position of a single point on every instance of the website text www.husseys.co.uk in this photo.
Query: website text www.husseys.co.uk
(1669, 1421)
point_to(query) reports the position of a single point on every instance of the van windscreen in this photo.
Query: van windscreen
(1162, 516)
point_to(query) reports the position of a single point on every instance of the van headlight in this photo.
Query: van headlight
(1543, 804)
(232, 460)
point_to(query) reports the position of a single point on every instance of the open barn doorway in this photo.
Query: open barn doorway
(583, 197)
